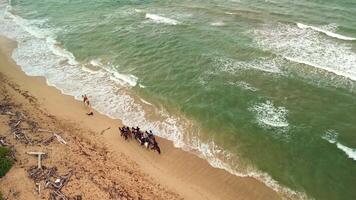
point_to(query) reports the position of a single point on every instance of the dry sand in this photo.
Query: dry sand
(104, 165)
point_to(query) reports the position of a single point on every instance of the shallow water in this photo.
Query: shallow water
(259, 88)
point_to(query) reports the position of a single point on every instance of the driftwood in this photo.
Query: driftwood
(50, 139)
(59, 138)
(8, 113)
(44, 130)
(38, 188)
(17, 123)
(16, 135)
(52, 181)
(3, 142)
(26, 138)
(60, 195)
(16, 127)
(39, 155)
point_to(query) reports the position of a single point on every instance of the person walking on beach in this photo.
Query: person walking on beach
(87, 103)
(86, 100)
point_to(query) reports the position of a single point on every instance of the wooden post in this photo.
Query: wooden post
(39, 155)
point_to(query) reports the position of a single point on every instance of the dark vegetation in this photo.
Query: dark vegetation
(6, 161)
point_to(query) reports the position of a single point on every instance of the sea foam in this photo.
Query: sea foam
(269, 115)
(217, 23)
(264, 64)
(329, 33)
(159, 19)
(243, 85)
(305, 46)
(331, 137)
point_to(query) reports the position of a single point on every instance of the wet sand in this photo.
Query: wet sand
(110, 161)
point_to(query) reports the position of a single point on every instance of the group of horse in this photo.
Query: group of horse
(146, 138)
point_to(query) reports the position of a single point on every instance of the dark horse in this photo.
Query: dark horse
(146, 139)
(152, 142)
(125, 132)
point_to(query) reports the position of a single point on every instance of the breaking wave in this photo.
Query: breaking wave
(331, 137)
(329, 33)
(269, 115)
(306, 46)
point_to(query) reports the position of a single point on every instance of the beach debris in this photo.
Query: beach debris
(57, 193)
(102, 132)
(9, 113)
(54, 136)
(39, 155)
(17, 123)
(44, 130)
(3, 143)
(16, 126)
(5, 107)
(60, 139)
(52, 181)
(38, 188)
(49, 140)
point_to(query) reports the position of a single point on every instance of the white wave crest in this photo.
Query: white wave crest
(86, 69)
(307, 47)
(218, 23)
(326, 32)
(331, 137)
(96, 63)
(159, 19)
(350, 152)
(122, 79)
(269, 115)
(270, 65)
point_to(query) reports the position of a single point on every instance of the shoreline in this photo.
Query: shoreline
(182, 172)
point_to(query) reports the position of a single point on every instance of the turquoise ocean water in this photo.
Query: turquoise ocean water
(258, 88)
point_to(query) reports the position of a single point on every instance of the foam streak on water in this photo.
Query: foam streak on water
(39, 54)
(329, 33)
(159, 19)
(331, 137)
(307, 47)
(264, 64)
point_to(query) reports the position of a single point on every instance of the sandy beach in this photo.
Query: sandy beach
(105, 166)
